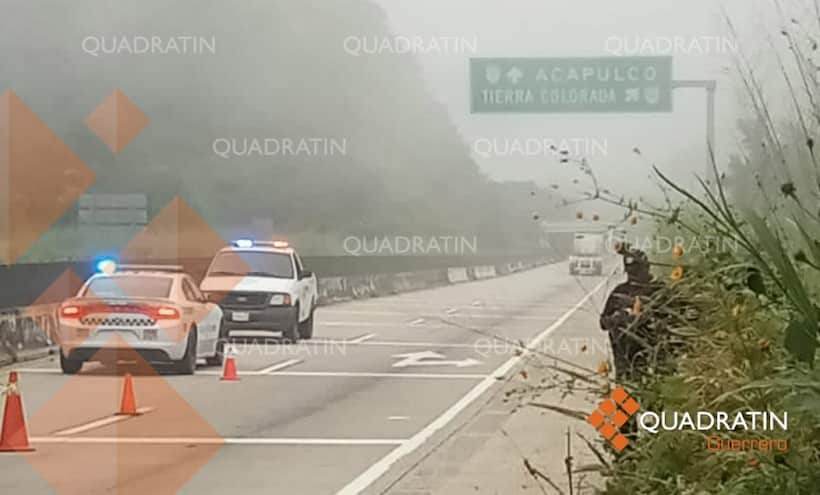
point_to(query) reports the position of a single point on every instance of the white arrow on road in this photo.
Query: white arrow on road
(430, 358)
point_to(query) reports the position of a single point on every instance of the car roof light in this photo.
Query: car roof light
(107, 266)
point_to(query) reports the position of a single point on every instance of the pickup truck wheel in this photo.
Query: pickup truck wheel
(306, 327)
(291, 334)
(219, 356)
(187, 365)
(69, 366)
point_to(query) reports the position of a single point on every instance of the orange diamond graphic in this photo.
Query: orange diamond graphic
(127, 456)
(619, 418)
(608, 430)
(116, 121)
(40, 178)
(619, 442)
(615, 417)
(178, 235)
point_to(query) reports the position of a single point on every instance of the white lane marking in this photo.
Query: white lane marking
(359, 324)
(430, 358)
(398, 418)
(448, 311)
(219, 441)
(416, 322)
(363, 338)
(395, 343)
(375, 471)
(381, 307)
(367, 374)
(360, 312)
(351, 374)
(100, 423)
(504, 317)
(278, 366)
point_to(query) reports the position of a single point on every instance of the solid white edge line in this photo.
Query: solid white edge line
(375, 471)
(100, 423)
(219, 441)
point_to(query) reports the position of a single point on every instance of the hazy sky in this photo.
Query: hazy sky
(553, 28)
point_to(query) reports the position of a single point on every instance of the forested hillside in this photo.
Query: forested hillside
(405, 169)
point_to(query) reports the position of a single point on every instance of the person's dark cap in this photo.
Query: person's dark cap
(635, 258)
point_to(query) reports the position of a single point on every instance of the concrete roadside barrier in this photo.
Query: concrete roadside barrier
(360, 286)
(331, 289)
(484, 271)
(456, 275)
(26, 329)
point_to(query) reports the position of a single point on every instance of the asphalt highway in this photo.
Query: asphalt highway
(345, 413)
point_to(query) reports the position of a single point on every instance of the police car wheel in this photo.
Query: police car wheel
(187, 365)
(70, 366)
(306, 327)
(291, 334)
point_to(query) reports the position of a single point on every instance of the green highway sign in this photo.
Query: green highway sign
(571, 85)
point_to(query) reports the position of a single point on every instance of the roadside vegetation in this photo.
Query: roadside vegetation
(754, 287)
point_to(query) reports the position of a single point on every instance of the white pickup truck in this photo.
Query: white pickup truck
(263, 289)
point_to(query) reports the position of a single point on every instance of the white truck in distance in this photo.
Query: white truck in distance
(586, 258)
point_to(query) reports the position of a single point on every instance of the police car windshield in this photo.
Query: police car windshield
(129, 286)
(252, 264)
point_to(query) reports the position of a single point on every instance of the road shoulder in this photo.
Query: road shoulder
(487, 454)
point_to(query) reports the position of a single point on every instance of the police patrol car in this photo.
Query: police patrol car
(157, 311)
(263, 289)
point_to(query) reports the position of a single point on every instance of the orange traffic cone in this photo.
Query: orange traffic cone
(229, 370)
(14, 435)
(128, 407)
